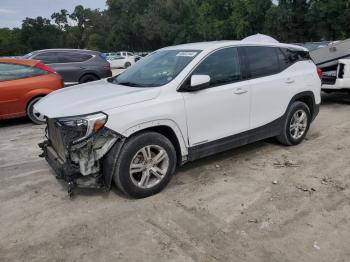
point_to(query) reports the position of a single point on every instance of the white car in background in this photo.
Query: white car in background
(121, 59)
(177, 105)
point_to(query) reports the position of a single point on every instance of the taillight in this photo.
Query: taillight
(45, 68)
(320, 73)
(106, 66)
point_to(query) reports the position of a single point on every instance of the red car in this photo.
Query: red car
(22, 84)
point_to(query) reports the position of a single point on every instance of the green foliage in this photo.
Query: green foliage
(330, 19)
(145, 25)
(38, 33)
(10, 42)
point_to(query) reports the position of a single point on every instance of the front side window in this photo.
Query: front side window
(47, 58)
(157, 69)
(222, 66)
(262, 60)
(13, 71)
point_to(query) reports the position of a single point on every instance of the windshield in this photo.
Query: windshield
(28, 55)
(157, 69)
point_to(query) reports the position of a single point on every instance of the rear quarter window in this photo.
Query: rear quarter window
(12, 72)
(294, 55)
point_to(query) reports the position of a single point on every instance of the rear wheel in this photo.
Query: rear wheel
(127, 64)
(296, 125)
(88, 78)
(34, 115)
(145, 165)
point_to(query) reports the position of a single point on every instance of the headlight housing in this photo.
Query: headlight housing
(79, 128)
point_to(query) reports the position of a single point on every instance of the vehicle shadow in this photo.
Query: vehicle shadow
(240, 151)
(336, 98)
(190, 166)
(14, 122)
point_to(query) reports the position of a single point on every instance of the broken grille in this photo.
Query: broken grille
(55, 137)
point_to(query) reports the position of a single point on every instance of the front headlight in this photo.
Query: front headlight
(79, 128)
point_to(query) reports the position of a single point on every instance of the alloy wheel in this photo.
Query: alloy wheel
(149, 166)
(298, 124)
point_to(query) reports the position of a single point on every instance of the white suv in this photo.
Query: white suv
(121, 60)
(177, 105)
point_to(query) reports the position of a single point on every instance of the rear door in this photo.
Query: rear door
(71, 65)
(271, 89)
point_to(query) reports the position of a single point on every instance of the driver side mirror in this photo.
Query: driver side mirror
(198, 82)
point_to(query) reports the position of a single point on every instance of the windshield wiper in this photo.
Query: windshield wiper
(130, 84)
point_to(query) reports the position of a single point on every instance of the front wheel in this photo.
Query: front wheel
(36, 117)
(127, 64)
(296, 125)
(145, 165)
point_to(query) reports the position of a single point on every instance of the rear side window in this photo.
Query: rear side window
(47, 58)
(262, 61)
(283, 59)
(72, 57)
(222, 66)
(13, 71)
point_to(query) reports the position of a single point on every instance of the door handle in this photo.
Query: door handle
(290, 81)
(240, 91)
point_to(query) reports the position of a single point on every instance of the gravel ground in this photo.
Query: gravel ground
(262, 202)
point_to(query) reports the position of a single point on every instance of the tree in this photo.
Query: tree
(150, 24)
(330, 19)
(39, 33)
(61, 19)
(288, 21)
(10, 43)
(248, 17)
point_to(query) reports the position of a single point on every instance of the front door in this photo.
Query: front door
(223, 109)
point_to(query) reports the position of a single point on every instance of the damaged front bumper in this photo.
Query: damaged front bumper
(86, 164)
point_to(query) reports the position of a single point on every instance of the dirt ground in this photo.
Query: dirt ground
(262, 202)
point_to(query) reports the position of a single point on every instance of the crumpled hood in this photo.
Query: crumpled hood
(92, 97)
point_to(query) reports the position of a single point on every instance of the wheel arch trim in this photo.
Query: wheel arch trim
(85, 73)
(158, 123)
(311, 97)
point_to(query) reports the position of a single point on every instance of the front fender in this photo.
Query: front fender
(161, 122)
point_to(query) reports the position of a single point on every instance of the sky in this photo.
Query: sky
(12, 12)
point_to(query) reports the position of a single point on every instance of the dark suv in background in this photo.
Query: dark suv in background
(74, 65)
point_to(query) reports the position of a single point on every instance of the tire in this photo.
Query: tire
(130, 181)
(88, 78)
(293, 136)
(127, 64)
(34, 116)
